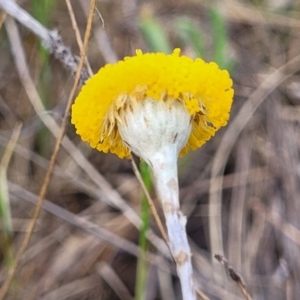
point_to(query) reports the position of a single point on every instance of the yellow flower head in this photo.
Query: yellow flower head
(202, 88)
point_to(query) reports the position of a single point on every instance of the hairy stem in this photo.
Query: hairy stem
(164, 167)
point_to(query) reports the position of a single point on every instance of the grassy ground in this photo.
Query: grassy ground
(240, 191)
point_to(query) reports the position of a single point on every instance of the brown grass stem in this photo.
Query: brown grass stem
(233, 275)
(150, 201)
(77, 34)
(231, 135)
(46, 182)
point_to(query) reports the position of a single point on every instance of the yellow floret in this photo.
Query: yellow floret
(204, 90)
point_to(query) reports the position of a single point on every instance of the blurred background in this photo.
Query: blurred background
(240, 191)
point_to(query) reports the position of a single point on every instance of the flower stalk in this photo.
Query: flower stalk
(157, 131)
(166, 182)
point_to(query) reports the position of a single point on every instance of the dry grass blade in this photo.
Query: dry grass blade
(102, 191)
(77, 33)
(233, 275)
(78, 221)
(5, 211)
(51, 39)
(44, 188)
(2, 18)
(11, 147)
(101, 38)
(242, 12)
(114, 281)
(276, 220)
(86, 225)
(150, 201)
(232, 133)
(201, 294)
(74, 288)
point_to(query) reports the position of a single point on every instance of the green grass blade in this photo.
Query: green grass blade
(220, 39)
(154, 34)
(5, 213)
(42, 10)
(142, 265)
(189, 34)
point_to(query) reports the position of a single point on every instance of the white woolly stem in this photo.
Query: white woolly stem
(164, 167)
(157, 131)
